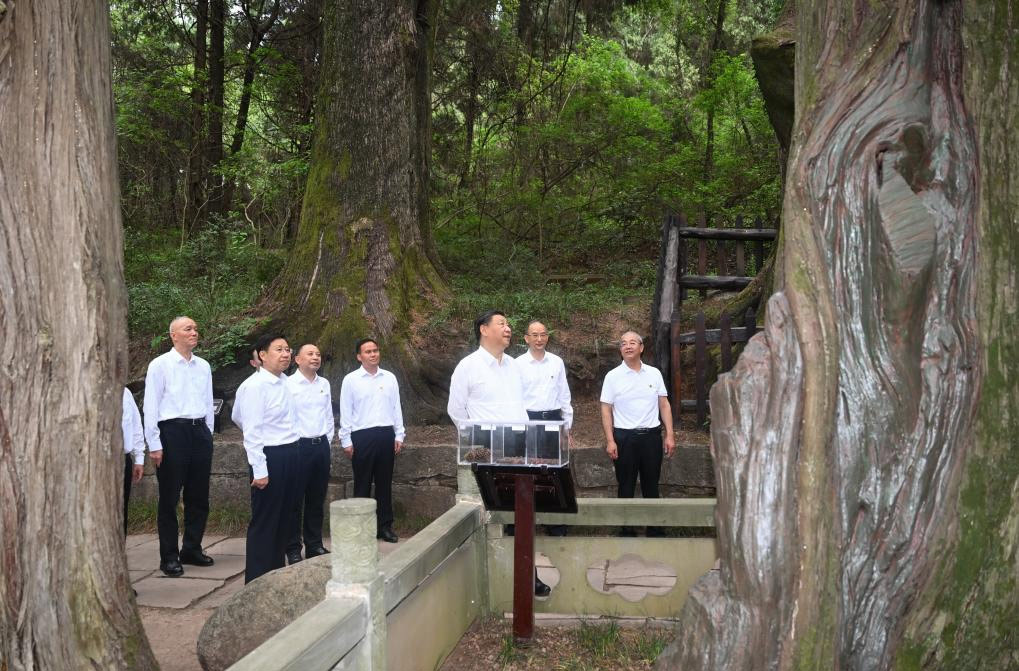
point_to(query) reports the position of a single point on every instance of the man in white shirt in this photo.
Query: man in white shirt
(633, 398)
(134, 446)
(546, 393)
(313, 402)
(266, 415)
(372, 432)
(178, 428)
(486, 386)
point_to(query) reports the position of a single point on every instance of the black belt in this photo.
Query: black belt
(642, 430)
(546, 414)
(316, 440)
(184, 420)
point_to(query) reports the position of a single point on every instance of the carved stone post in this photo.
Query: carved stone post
(355, 555)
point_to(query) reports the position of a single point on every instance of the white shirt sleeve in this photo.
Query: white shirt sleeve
(331, 429)
(346, 413)
(398, 428)
(565, 399)
(249, 414)
(136, 439)
(456, 407)
(607, 392)
(155, 381)
(210, 412)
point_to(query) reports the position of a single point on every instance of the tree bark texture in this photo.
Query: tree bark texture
(360, 265)
(864, 443)
(66, 601)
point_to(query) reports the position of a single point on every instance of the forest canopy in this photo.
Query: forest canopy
(561, 133)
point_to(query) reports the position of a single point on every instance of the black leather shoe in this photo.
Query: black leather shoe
(388, 536)
(171, 568)
(315, 552)
(293, 557)
(540, 588)
(200, 559)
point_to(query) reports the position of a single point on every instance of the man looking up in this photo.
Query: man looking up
(178, 428)
(371, 431)
(313, 402)
(265, 413)
(486, 387)
(546, 393)
(633, 397)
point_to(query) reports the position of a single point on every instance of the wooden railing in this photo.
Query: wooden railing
(730, 247)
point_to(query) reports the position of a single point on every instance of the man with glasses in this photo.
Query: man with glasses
(546, 393)
(178, 428)
(634, 405)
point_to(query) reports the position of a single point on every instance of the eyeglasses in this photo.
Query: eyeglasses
(538, 335)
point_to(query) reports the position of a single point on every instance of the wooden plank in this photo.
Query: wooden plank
(700, 370)
(725, 283)
(681, 263)
(759, 234)
(737, 334)
(677, 375)
(725, 341)
(741, 263)
(723, 257)
(702, 263)
(759, 247)
(750, 323)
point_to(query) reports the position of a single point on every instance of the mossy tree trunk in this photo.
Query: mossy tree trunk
(362, 264)
(66, 600)
(865, 444)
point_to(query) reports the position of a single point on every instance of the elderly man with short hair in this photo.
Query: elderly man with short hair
(178, 428)
(634, 405)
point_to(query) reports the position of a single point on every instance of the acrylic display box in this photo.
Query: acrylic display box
(532, 443)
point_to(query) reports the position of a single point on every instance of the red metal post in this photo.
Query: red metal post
(523, 560)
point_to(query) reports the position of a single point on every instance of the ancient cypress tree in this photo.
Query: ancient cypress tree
(866, 442)
(66, 601)
(363, 262)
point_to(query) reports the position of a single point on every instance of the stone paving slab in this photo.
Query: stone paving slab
(219, 597)
(229, 546)
(163, 592)
(138, 539)
(139, 575)
(226, 566)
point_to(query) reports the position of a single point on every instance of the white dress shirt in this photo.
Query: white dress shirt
(634, 396)
(265, 412)
(483, 388)
(545, 386)
(176, 387)
(368, 401)
(242, 389)
(131, 425)
(313, 401)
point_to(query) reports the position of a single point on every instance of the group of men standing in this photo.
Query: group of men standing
(288, 424)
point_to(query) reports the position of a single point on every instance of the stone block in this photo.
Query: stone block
(414, 464)
(592, 468)
(228, 455)
(162, 592)
(690, 466)
(429, 501)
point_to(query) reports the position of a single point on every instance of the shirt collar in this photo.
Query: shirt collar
(179, 358)
(531, 359)
(627, 369)
(269, 377)
(298, 376)
(365, 373)
(489, 360)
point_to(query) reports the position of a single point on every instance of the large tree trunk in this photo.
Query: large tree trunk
(195, 211)
(360, 265)
(865, 443)
(217, 85)
(66, 601)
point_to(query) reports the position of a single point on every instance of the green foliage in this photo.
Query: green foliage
(215, 277)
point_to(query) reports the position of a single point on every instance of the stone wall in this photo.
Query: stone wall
(424, 482)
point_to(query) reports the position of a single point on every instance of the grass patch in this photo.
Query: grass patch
(225, 520)
(592, 646)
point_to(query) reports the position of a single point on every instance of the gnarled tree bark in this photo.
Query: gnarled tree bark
(66, 601)
(865, 443)
(362, 262)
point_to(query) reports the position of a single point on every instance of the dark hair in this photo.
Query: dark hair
(485, 320)
(303, 345)
(263, 342)
(357, 345)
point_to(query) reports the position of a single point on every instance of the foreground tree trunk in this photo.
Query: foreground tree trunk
(66, 601)
(865, 443)
(360, 265)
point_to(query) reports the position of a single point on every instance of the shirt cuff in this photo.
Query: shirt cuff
(400, 437)
(347, 443)
(139, 458)
(260, 471)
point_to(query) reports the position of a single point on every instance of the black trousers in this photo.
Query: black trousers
(548, 448)
(374, 456)
(128, 472)
(640, 456)
(313, 480)
(187, 462)
(272, 511)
